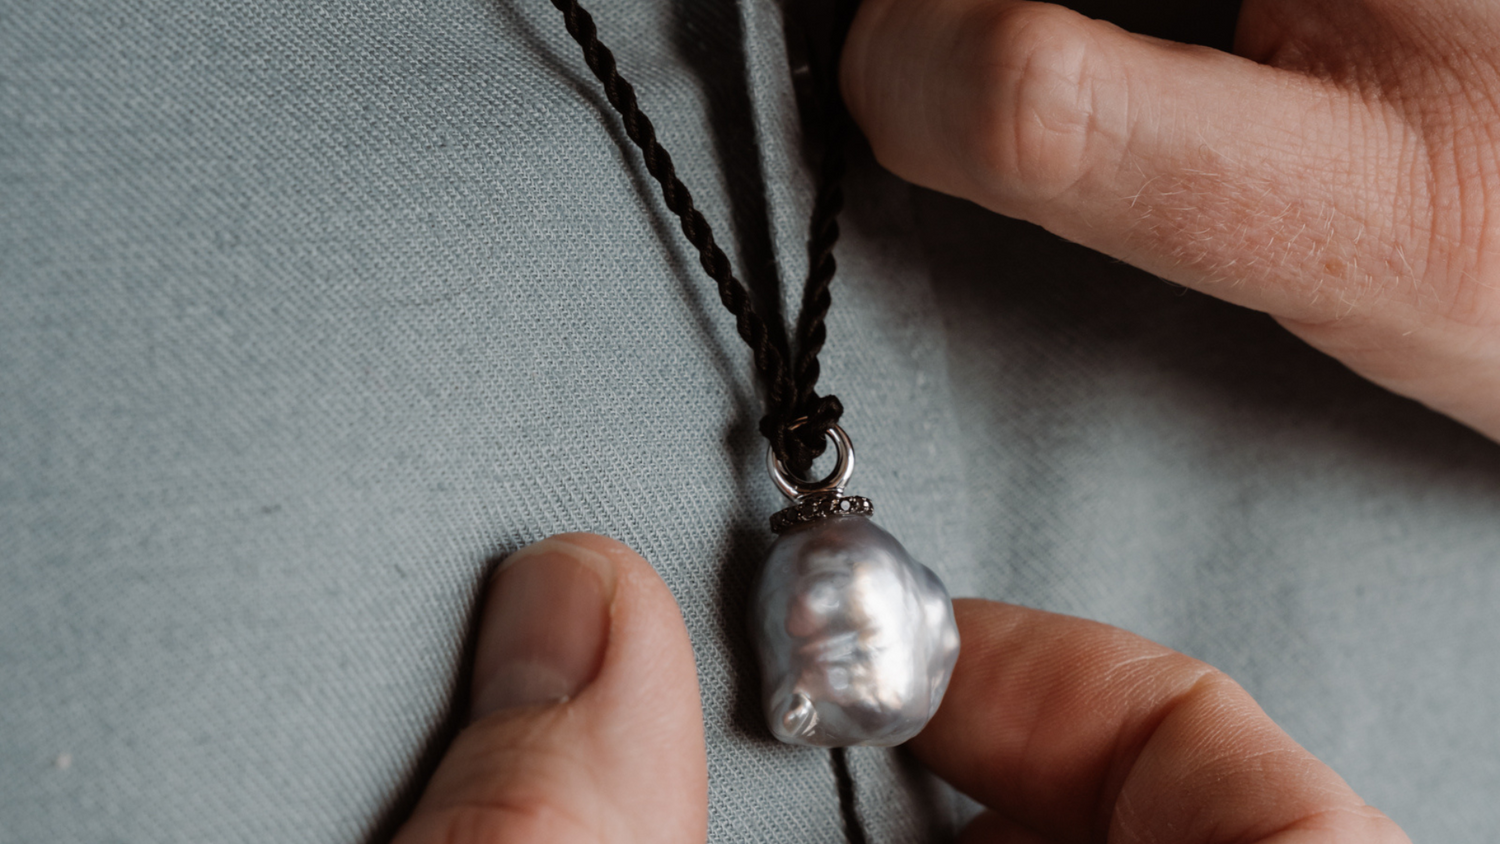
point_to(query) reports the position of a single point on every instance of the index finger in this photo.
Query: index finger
(1200, 166)
(1079, 731)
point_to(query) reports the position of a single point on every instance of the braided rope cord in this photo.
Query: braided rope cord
(796, 418)
(823, 234)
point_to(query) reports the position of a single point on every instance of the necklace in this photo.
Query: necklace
(856, 640)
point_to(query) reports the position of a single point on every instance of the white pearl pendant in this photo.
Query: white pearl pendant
(856, 640)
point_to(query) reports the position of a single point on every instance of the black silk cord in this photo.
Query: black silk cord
(854, 831)
(797, 419)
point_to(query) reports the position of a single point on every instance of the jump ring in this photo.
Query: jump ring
(796, 488)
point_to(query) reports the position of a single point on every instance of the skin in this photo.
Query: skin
(1068, 730)
(1340, 171)
(622, 760)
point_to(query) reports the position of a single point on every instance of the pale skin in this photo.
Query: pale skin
(1340, 171)
(1068, 730)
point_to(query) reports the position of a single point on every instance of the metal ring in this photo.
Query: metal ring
(795, 488)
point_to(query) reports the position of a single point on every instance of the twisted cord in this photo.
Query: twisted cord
(822, 411)
(823, 229)
(796, 419)
(823, 233)
(854, 830)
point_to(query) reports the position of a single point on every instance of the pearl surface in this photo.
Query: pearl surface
(856, 639)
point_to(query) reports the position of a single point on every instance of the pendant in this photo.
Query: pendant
(856, 639)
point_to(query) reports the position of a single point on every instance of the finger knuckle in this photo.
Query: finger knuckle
(1039, 80)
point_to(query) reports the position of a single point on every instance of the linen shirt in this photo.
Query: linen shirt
(309, 312)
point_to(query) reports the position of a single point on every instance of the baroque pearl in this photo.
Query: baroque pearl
(856, 639)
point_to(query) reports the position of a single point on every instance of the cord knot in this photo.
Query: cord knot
(801, 436)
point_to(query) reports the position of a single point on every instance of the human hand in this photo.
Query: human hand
(588, 728)
(1341, 173)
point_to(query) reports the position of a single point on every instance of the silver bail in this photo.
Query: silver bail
(796, 488)
(817, 499)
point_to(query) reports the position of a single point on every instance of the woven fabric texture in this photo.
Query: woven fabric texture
(311, 311)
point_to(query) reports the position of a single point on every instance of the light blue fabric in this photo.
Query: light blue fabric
(308, 311)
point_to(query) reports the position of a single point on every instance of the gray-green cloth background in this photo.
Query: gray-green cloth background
(309, 311)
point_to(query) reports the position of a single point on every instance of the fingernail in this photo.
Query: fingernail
(545, 627)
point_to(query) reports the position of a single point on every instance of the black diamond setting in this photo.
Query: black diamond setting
(816, 507)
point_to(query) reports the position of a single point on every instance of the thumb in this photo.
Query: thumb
(587, 727)
(1204, 167)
